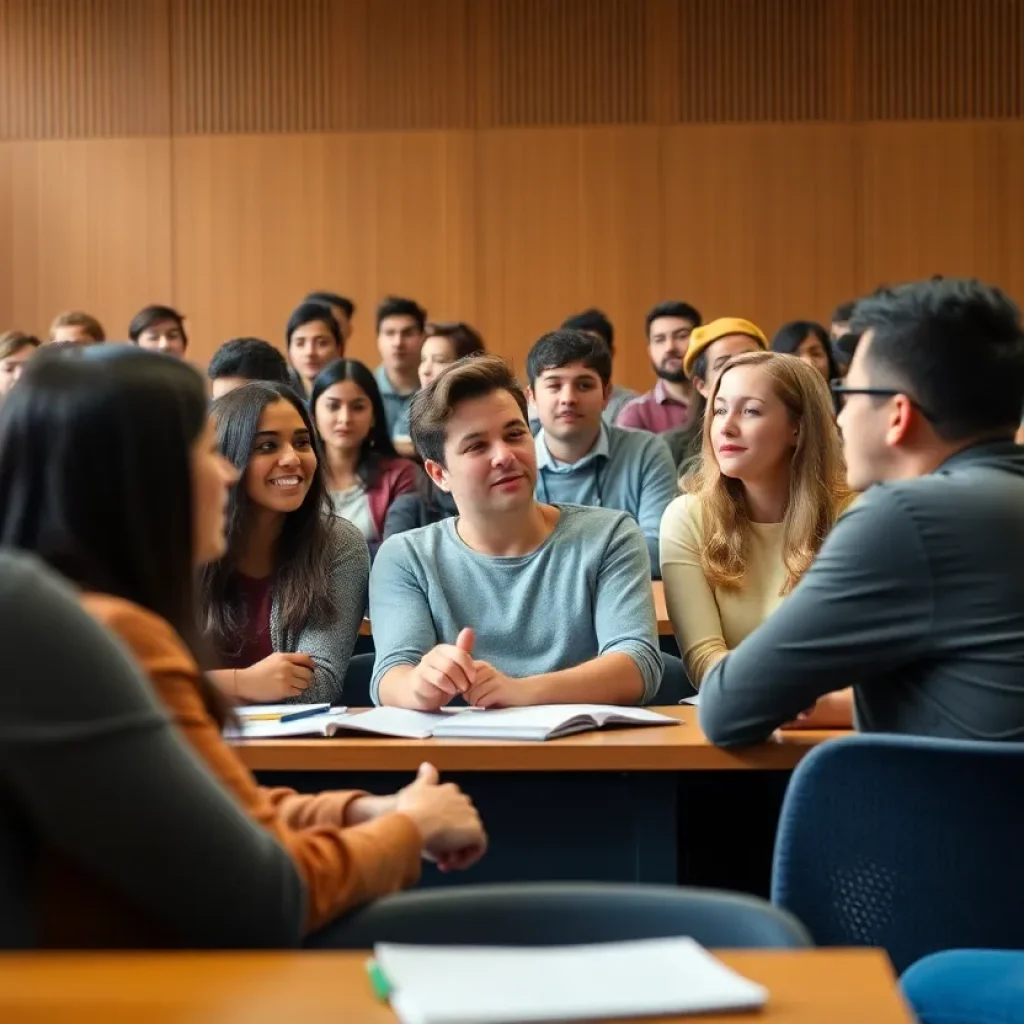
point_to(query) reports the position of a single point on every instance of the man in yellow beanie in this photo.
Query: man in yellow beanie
(714, 344)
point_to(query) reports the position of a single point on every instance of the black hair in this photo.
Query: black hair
(592, 321)
(302, 562)
(790, 336)
(465, 340)
(377, 444)
(96, 477)
(150, 317)
(308, 313)
(956, 346)
(332, 299)
(842, 313)
(679, 310)
(393, 305)
(250, 359)
(560, 348)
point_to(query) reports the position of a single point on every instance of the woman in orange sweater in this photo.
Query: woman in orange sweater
(125, 498)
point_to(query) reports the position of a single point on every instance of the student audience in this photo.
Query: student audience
(580, 458)
(159, 329)
(242, 360)
(669, 405)
(16, 348)
(313, 339)
(444, 344)
(810, 342)
(282, 607)
(513, 602)
(342, 310)
(770, 486)
(131, 550)
(597, 325)
(364, 472)
(400, 330)
(76, 328)
(916, 599)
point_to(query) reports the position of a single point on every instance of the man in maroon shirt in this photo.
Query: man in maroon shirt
(669, 404)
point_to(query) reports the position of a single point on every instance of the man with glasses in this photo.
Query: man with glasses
(915, 604)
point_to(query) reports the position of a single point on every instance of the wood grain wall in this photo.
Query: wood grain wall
(505, 161)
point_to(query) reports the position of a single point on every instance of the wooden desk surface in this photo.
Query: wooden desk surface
(806, 987)
(664, 625)
(657, 748)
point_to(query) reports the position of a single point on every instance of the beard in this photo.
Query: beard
(672, 376)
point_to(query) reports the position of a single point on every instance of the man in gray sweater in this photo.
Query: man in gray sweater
(916, 600)
(512, 602)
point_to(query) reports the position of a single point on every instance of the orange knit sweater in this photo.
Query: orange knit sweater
(341, 866)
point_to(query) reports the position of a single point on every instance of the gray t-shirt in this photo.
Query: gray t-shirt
(586, 591)
(91, 765)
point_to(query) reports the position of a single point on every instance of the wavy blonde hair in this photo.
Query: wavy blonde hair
(817, 478)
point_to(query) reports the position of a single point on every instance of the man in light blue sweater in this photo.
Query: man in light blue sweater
(513, 602)
(584, 460)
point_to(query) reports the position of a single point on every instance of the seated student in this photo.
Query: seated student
(159, 329)
(513, 602)
(313, 339)
(810, 342)
(342, 310)
(669, 405)
(364, 472)
(242, 360)
(96, 786)
(711, 347)
(16, 348)
(282, 608)
(131, 549)
(76, 328)
(582, 460)
(444, 344)
(400, 330)
(916, 599)
(597, 325)
(770, 486)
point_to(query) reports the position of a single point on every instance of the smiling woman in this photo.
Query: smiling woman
(283, 606)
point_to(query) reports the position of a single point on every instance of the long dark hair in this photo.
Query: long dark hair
(377, 445)
(96, 477)
(789, 337)
(302, 562)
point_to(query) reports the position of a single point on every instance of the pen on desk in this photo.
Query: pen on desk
(378, 981)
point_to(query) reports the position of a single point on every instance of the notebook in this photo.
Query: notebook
(475, 985)
(279, 712)
(542, 722)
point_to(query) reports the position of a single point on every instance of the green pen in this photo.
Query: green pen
(378, 980)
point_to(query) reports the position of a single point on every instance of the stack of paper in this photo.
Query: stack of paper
(473, 985)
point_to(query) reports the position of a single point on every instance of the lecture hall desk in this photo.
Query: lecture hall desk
(834, 986)
(598, 806)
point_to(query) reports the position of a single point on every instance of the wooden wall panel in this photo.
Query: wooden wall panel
(930, 59)
(563, 62)
(318, 211)
(931, 202)
(761, 222)
(77, 68)
(87, 226)
(1010, 242)
(762, 61)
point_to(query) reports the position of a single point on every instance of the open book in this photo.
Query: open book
(541, 722)
(479, 985)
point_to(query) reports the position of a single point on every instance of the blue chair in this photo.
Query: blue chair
(675, 683)
(555, 914)
(356, 689)
(906, 843)
(967, 986)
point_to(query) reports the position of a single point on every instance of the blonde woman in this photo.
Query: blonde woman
(769, 487)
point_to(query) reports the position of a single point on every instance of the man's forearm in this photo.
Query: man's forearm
(609, 679)
(396, 688)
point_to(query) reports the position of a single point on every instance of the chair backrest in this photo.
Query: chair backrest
(675, 683)
(906, 843)
(555, 914)
(356, 688)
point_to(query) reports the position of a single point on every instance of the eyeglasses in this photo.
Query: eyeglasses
(840, 390)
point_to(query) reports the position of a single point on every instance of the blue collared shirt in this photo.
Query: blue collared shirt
(396, 406)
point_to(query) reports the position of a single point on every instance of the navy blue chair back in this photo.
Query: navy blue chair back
(356, 689)
(906, 843)
(675, 683)
(555, 914)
